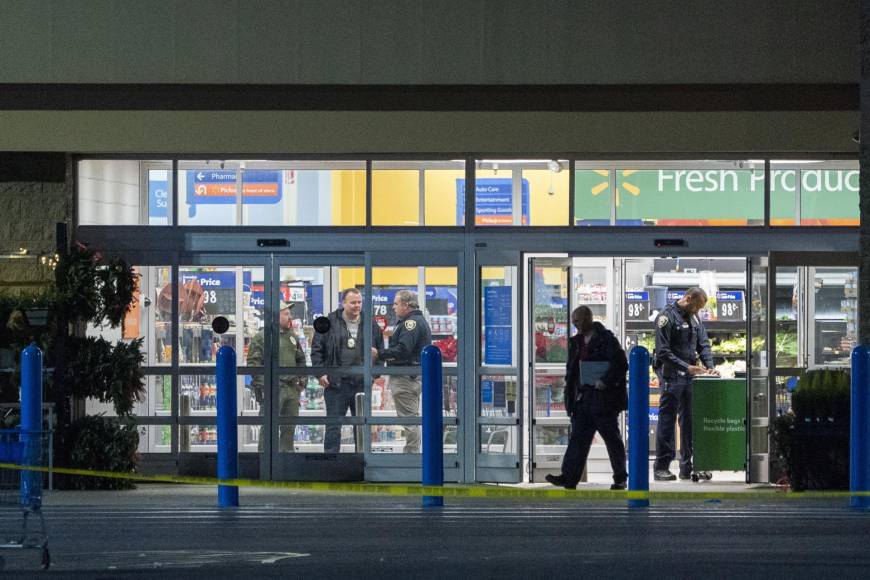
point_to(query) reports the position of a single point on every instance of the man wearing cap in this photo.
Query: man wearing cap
(290, 354)
(410, 336)
(341, 345)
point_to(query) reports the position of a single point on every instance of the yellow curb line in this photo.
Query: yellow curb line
(450, 490)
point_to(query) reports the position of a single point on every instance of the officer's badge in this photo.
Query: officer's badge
(410, 324)
(663, 321)
(292, 341)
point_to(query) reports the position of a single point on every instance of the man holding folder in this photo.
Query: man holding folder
(595, 394)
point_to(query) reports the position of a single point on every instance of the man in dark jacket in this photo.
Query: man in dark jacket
(410, 336)
(342, 346)
(593, 405)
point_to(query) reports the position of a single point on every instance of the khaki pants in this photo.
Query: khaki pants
(406, 398)
(288, 406)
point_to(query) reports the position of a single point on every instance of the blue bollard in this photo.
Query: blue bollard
(31, 424)
(227, 426)
(433, 424)
(859, 426)
(638, 427)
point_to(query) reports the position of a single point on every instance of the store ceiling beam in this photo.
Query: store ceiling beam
(518, 97)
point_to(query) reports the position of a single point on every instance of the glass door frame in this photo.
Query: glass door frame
(490, 467)
(316, 466)
(408, 467)
(809, 260)
(198, 462)
(531, 261)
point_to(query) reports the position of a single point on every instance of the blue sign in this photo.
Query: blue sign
(382, 299)
(158, 198)
(498, 325)
(209, 186)
(497, 306)
(637, 296)
(211, 280)
(497, 345)
(674, 296)
(735, 296)
(486, 395)
(493, 202)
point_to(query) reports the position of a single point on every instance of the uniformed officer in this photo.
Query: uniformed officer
(410, 336)
(682, 352)
(290, 354)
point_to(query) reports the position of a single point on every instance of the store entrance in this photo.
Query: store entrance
(315, 403)
(805, 317)
(626, 295)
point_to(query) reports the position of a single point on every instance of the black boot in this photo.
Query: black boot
(559, 481)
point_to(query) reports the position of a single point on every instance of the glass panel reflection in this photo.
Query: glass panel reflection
(155, 439)
(498, 439)
(498, 396)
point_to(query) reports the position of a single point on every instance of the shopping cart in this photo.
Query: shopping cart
(21, 490)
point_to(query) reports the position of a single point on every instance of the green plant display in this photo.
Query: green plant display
(812, 445)
(648, 341)
(117, 290)
(109, 373)
(781, 448)
(89, 290)
(100, 443)
(786, 345)
(16, 333)
(822, 395)
(78, 294)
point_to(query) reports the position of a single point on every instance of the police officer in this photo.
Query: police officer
(341, 346)
(682, 352)
(290, 354)
(410, 336)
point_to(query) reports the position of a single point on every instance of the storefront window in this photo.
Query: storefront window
(697, 193)
(522, 192)
(814, 193)
(204, 293)
(124, 192)
(593, 196)
(273, 193)
(418, 193)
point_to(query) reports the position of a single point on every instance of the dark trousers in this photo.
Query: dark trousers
(339, 398)
(591, 415)
(675, 402)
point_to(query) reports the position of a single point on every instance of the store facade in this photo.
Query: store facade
(506, 164)
(498, 268)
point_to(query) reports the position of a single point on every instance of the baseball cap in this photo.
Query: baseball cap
(285, 305)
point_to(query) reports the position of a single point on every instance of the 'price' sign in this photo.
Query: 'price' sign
(730, 305)
(637, 306)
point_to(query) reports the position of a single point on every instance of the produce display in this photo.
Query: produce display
(730, 347)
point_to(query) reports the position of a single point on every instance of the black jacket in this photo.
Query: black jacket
(410, 336)
(681, 341)
(326, 347)
(603, 346)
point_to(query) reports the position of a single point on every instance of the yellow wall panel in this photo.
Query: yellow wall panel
(441, 197)
(395, 197)
(348, 197)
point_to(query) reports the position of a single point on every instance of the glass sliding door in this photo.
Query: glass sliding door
(498, 398)
(415, 299)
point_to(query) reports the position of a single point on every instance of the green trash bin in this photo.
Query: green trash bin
(719, 424)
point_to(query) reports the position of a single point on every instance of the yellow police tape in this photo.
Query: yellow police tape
(454, 490)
